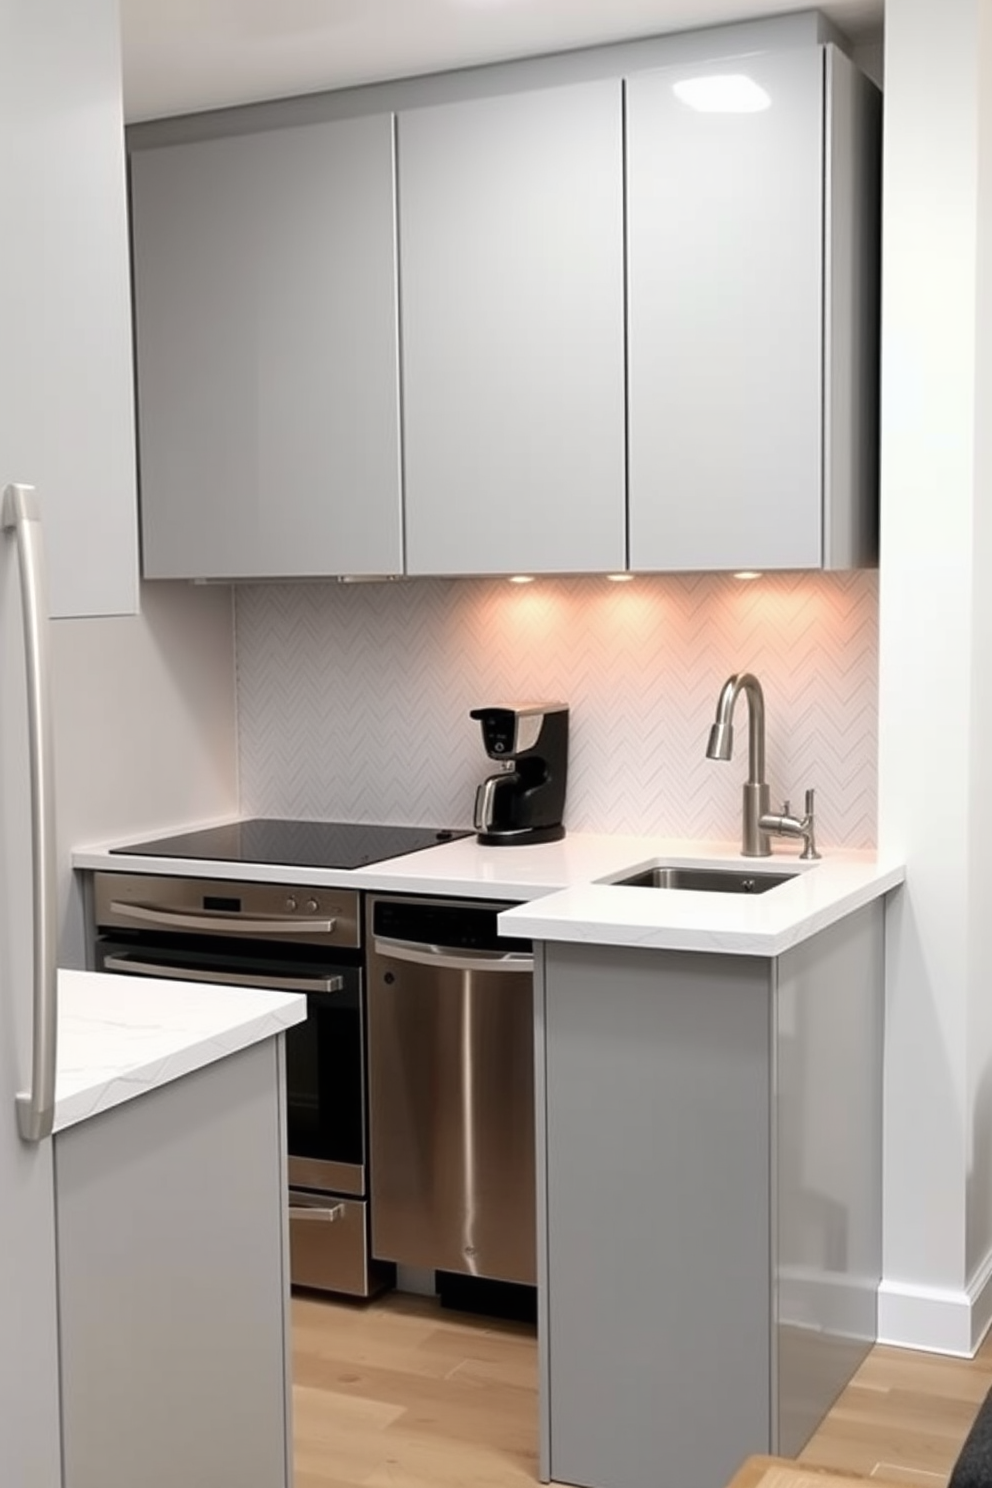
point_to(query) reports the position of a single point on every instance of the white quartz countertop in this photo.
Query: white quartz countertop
(121, 1036)
(461, 867)
(558, 892)
(765, 924)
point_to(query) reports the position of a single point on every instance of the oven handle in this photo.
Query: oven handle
(327, 1213)
(231, 978)
(446, 958)
(234, 924)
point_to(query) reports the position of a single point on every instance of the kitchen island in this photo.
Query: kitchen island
(170, 1181)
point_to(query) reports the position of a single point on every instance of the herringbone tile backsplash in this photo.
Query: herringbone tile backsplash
(353, 699)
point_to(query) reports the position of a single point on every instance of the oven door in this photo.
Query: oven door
(325, 1056)
(325, 1086)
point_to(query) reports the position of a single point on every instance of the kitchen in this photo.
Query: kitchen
(173, 716)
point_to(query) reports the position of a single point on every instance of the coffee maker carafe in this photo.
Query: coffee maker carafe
(525, 802)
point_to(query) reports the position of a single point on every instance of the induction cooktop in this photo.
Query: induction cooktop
(295, 844)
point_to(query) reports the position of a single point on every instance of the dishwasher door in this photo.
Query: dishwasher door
(451, 1089)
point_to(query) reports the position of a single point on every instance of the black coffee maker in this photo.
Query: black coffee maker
(525, 802)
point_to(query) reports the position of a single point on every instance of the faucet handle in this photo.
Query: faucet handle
(786, 807)
(810, 799)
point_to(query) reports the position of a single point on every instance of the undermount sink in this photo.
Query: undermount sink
(709, 880)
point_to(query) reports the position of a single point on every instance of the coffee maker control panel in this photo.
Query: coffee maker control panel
(512, 730)
(498, 731)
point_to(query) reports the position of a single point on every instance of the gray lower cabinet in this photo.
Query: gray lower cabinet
(173, 1284)
(267, 359)
(709, 1139)
(752, 201)
(511, 264)
(66, 393)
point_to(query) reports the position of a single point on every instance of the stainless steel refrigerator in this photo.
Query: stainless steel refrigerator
(60, 391)
(29, 1397)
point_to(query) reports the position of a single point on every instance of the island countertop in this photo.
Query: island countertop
(122, 1036)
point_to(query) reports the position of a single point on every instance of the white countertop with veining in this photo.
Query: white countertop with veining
(559, 894)
(121, 1036)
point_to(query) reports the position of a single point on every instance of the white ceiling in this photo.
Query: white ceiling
(181, 56)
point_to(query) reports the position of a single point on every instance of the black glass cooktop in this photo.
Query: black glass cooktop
(296, 844)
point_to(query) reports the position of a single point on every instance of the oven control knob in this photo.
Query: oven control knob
(291, 903)
(312, 906)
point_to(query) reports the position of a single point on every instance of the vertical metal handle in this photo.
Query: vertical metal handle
(20, 514)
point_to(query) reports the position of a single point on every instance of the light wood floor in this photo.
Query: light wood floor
(402, 1395)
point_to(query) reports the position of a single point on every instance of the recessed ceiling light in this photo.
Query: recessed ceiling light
(725, 93)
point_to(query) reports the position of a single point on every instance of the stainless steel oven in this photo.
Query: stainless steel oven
(294, 938)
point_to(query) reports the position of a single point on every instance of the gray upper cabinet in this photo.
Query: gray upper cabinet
(752, 313)
(511, 270)
(268, 398)
(66, 395)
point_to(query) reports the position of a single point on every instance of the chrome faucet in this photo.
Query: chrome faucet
(759, 823)
(754, 838)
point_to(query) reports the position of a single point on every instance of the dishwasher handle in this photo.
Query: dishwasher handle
(451, 958)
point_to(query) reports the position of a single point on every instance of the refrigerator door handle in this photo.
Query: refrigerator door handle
(20, 514)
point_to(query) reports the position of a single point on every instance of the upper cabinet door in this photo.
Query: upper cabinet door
(268, 376)
(725, 208)
(511, 270)
(66, 394)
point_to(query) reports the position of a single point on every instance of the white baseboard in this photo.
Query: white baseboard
(937, 1320)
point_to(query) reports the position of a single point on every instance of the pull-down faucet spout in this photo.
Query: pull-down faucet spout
(754, 842)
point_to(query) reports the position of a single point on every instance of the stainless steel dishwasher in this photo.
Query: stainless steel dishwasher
(451, 1089)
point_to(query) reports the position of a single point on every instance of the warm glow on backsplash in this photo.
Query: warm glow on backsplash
(353, 700)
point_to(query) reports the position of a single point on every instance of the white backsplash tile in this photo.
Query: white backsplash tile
(353, 699)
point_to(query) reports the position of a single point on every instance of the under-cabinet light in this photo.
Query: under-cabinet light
(724, 93)
(521, 578)
(620, 578)
(748, 574)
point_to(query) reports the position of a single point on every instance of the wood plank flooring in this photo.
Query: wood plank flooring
(401, 1394)
(904, 1416)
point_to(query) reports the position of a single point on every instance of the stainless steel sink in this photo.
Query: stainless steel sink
(709, 880)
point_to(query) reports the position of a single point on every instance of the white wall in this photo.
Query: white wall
(144, 712)
(935, 693)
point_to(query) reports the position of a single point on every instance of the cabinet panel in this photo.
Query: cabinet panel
(511, 254)
(265, 281)
(66, 398)
(656, 1172)
(725, 260)
(173, 1284)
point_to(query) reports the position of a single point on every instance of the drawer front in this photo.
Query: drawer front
(328, 1243)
